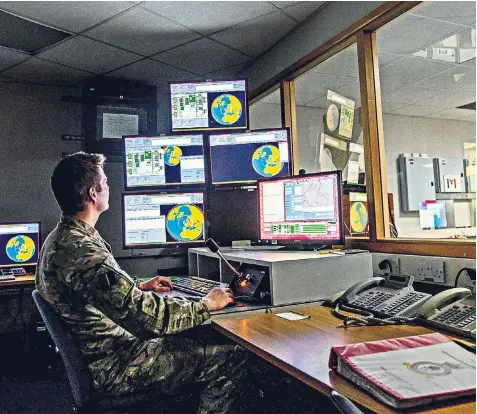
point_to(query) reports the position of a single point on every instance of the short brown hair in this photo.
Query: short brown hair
(73, 177)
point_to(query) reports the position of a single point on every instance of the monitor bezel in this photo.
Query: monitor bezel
(238, 184)
(306, 243)
(171, 185)
(163, 245)
(208, 129)
(27, 265)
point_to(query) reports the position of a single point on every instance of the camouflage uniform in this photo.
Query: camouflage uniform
(131, 339)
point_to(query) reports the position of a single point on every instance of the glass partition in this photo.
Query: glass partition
(266, 112)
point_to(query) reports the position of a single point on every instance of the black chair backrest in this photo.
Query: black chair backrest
(76, 369)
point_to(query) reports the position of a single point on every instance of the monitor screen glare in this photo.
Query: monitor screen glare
(302, 209)
(154, 220)
(249, 156)
(19, 244)
(209, 105)
(164, 160)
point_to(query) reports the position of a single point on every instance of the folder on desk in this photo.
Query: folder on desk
(410, 371)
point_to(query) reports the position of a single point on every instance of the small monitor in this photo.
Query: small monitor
(19, 244)
(209, 105)
(163, 219)
(163, 160)
(302, 210)
(245, 157)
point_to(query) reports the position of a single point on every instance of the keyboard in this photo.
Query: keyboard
(197, 285)
(11, 273)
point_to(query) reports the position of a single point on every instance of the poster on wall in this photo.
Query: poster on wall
(339, 117)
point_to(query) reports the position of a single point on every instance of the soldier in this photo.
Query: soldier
(131, 338)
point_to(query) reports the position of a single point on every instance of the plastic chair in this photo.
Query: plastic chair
(86, 400)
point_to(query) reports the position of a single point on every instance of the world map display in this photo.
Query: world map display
(20, 248)
(226, 109)
(185, 222)
(266, 161)
(358, 217)
(172, 155)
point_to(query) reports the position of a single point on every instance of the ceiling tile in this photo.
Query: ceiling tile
(9, 57)
(319, 102)
(304, 98)
(282, 4)
(142, 32)
(209, 16)
(455, 78)
(301, 10)
(73, 16)
(411, 69)
(149, 71)
(201, 56)
(460, 12)
(255, 36)
(101, 58)
(469, 63)
(389, 107)
(230, 72)
(385, 59)
(409, 34)
(313, 82)
(344, 63)
(410, 95)
(351, 91)
(455, 113)
(415, 110)
(41, 71)
(452, 99)
(387, 86)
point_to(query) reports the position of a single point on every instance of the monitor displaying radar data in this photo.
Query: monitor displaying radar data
(302, 210)
(209, 105)
(164, 160)
(246, 157)
(163, 219)
(19, 244)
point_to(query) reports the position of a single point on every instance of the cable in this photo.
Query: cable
(368, 318)
(470, 272)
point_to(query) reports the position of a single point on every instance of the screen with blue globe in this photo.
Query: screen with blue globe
(185, 222)
(19, 244)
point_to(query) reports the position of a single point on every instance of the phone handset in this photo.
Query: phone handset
(359, 287)
(442, 299)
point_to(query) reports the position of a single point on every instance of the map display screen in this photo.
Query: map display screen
(152, 220)
(303, 208)
(249, 156)
(19, 244)
(163, 160)
(209, 105)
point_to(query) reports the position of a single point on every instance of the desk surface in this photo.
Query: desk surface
(19, 280)
(302, 348)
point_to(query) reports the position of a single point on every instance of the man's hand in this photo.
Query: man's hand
(157, 284)
(218, 298)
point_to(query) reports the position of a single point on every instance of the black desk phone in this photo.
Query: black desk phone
(392, 295)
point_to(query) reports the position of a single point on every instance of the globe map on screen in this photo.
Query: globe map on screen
(266, 161)
(172, 155)
(185, 222)
(358, 217)
(226, 109)
(20, 248)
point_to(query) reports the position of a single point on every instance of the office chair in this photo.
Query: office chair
(343, 404)
(86, 400)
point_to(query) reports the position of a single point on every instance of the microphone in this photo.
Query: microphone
(214, 248)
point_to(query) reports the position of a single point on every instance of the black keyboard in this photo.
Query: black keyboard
(197, 285)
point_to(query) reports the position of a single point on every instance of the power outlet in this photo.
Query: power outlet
(431, 270)
(394, 261)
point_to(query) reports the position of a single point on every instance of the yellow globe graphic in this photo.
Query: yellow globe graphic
(266, 161)
(172, 155)
(226, 109)
(20, 248)
(358, 217)
(185, 222)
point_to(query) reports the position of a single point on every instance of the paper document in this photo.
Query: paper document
(117, 125)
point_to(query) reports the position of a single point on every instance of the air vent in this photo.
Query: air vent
(468, 106)
(25, 35)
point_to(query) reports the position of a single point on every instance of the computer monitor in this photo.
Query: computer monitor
(245, 157)
(163, 160)
(163, 219)
(19, 244)
(209, 105)
(302, 211)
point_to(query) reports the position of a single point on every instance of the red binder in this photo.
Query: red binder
(410, 371)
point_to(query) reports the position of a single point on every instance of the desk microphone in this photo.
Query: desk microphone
(214, 248)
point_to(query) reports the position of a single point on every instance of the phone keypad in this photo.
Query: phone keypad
(404, 302)
(457, 315)
(371, 299)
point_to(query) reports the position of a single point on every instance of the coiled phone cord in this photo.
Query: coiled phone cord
(368, 318)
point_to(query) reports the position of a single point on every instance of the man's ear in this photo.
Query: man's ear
(93, 194)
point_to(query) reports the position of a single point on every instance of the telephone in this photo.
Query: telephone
(446, 311)
(392, 295)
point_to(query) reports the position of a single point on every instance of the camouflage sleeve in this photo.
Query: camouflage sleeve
(105, 286)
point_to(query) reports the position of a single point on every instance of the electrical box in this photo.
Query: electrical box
(449, 175)
(416, 181)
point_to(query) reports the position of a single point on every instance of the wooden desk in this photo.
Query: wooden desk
(302, 348)
(19, 281)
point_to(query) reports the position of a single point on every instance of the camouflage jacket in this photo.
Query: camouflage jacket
(107, 315)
